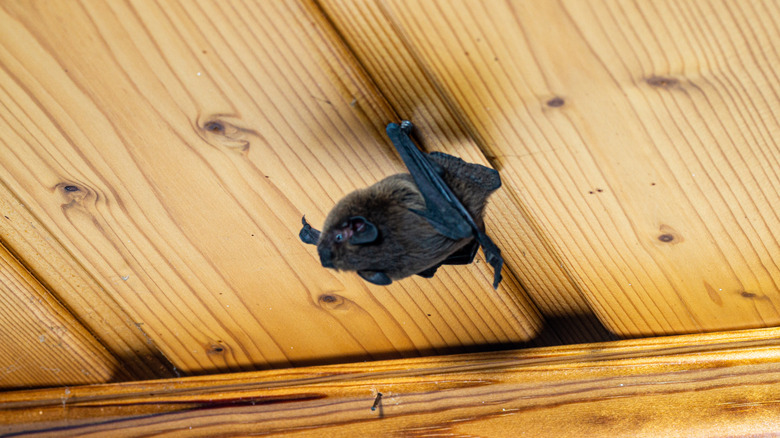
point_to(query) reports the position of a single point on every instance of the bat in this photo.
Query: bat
(410, 224)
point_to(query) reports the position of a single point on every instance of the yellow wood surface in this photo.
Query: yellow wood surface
(371, 36)
(157, 157)
(720, 385)
(170, 149)
(98, 312)
(640, 138)
(42, 344)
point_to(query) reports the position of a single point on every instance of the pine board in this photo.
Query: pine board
(171, 149)
(42, 344)
(372, 36)
(690, 386)
(640, 139)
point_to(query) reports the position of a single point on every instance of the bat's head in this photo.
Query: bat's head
(339, 240)
(362, 230)
(350, 233)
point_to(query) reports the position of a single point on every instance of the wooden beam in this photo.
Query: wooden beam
(42, 344)
(80, 293)
(724, 384)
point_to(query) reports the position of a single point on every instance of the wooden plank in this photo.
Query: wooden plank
(640, 137)
(382, 52)
(715, 385)
(42, 344)
(53, 266)
(171, 149)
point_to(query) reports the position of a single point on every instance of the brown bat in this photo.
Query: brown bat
(409, 224)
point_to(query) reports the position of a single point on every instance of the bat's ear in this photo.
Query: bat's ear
(363, 231)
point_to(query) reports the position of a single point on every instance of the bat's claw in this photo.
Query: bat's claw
(406, 126)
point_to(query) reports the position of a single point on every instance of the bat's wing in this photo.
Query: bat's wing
(440, 203)
(463, 256)
(443, 210)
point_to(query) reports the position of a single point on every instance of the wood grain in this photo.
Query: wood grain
(640, 138)
(171, 149)
(42, 344)
(715, 385)
(383, 53)
(57, 270)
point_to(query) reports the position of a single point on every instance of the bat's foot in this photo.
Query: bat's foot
(492, 256)
(497, 264)
(375, 277)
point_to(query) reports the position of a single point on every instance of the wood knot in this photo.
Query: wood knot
(74, 194)
(221, 133)
(332, 301)
(216, 348)
(555, 102)
(214, 127)
(667, 234)
(662, 82)
(714, 294)
(328, 298)
(67, 187)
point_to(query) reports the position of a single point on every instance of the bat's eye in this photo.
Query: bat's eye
(339, 237)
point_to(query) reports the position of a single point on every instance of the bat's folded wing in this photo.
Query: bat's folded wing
(443, 210)
(440, 203)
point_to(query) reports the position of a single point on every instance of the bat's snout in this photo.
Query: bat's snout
(326, 257)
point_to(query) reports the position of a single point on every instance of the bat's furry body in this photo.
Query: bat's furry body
(409, 244)
(409, 224)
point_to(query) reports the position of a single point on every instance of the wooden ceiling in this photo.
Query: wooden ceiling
(156, 159)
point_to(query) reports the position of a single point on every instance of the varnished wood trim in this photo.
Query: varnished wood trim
(723, 384)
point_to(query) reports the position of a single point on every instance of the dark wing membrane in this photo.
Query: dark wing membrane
(486, 179)
(443, 209)
(440, 204)
(463, 256)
